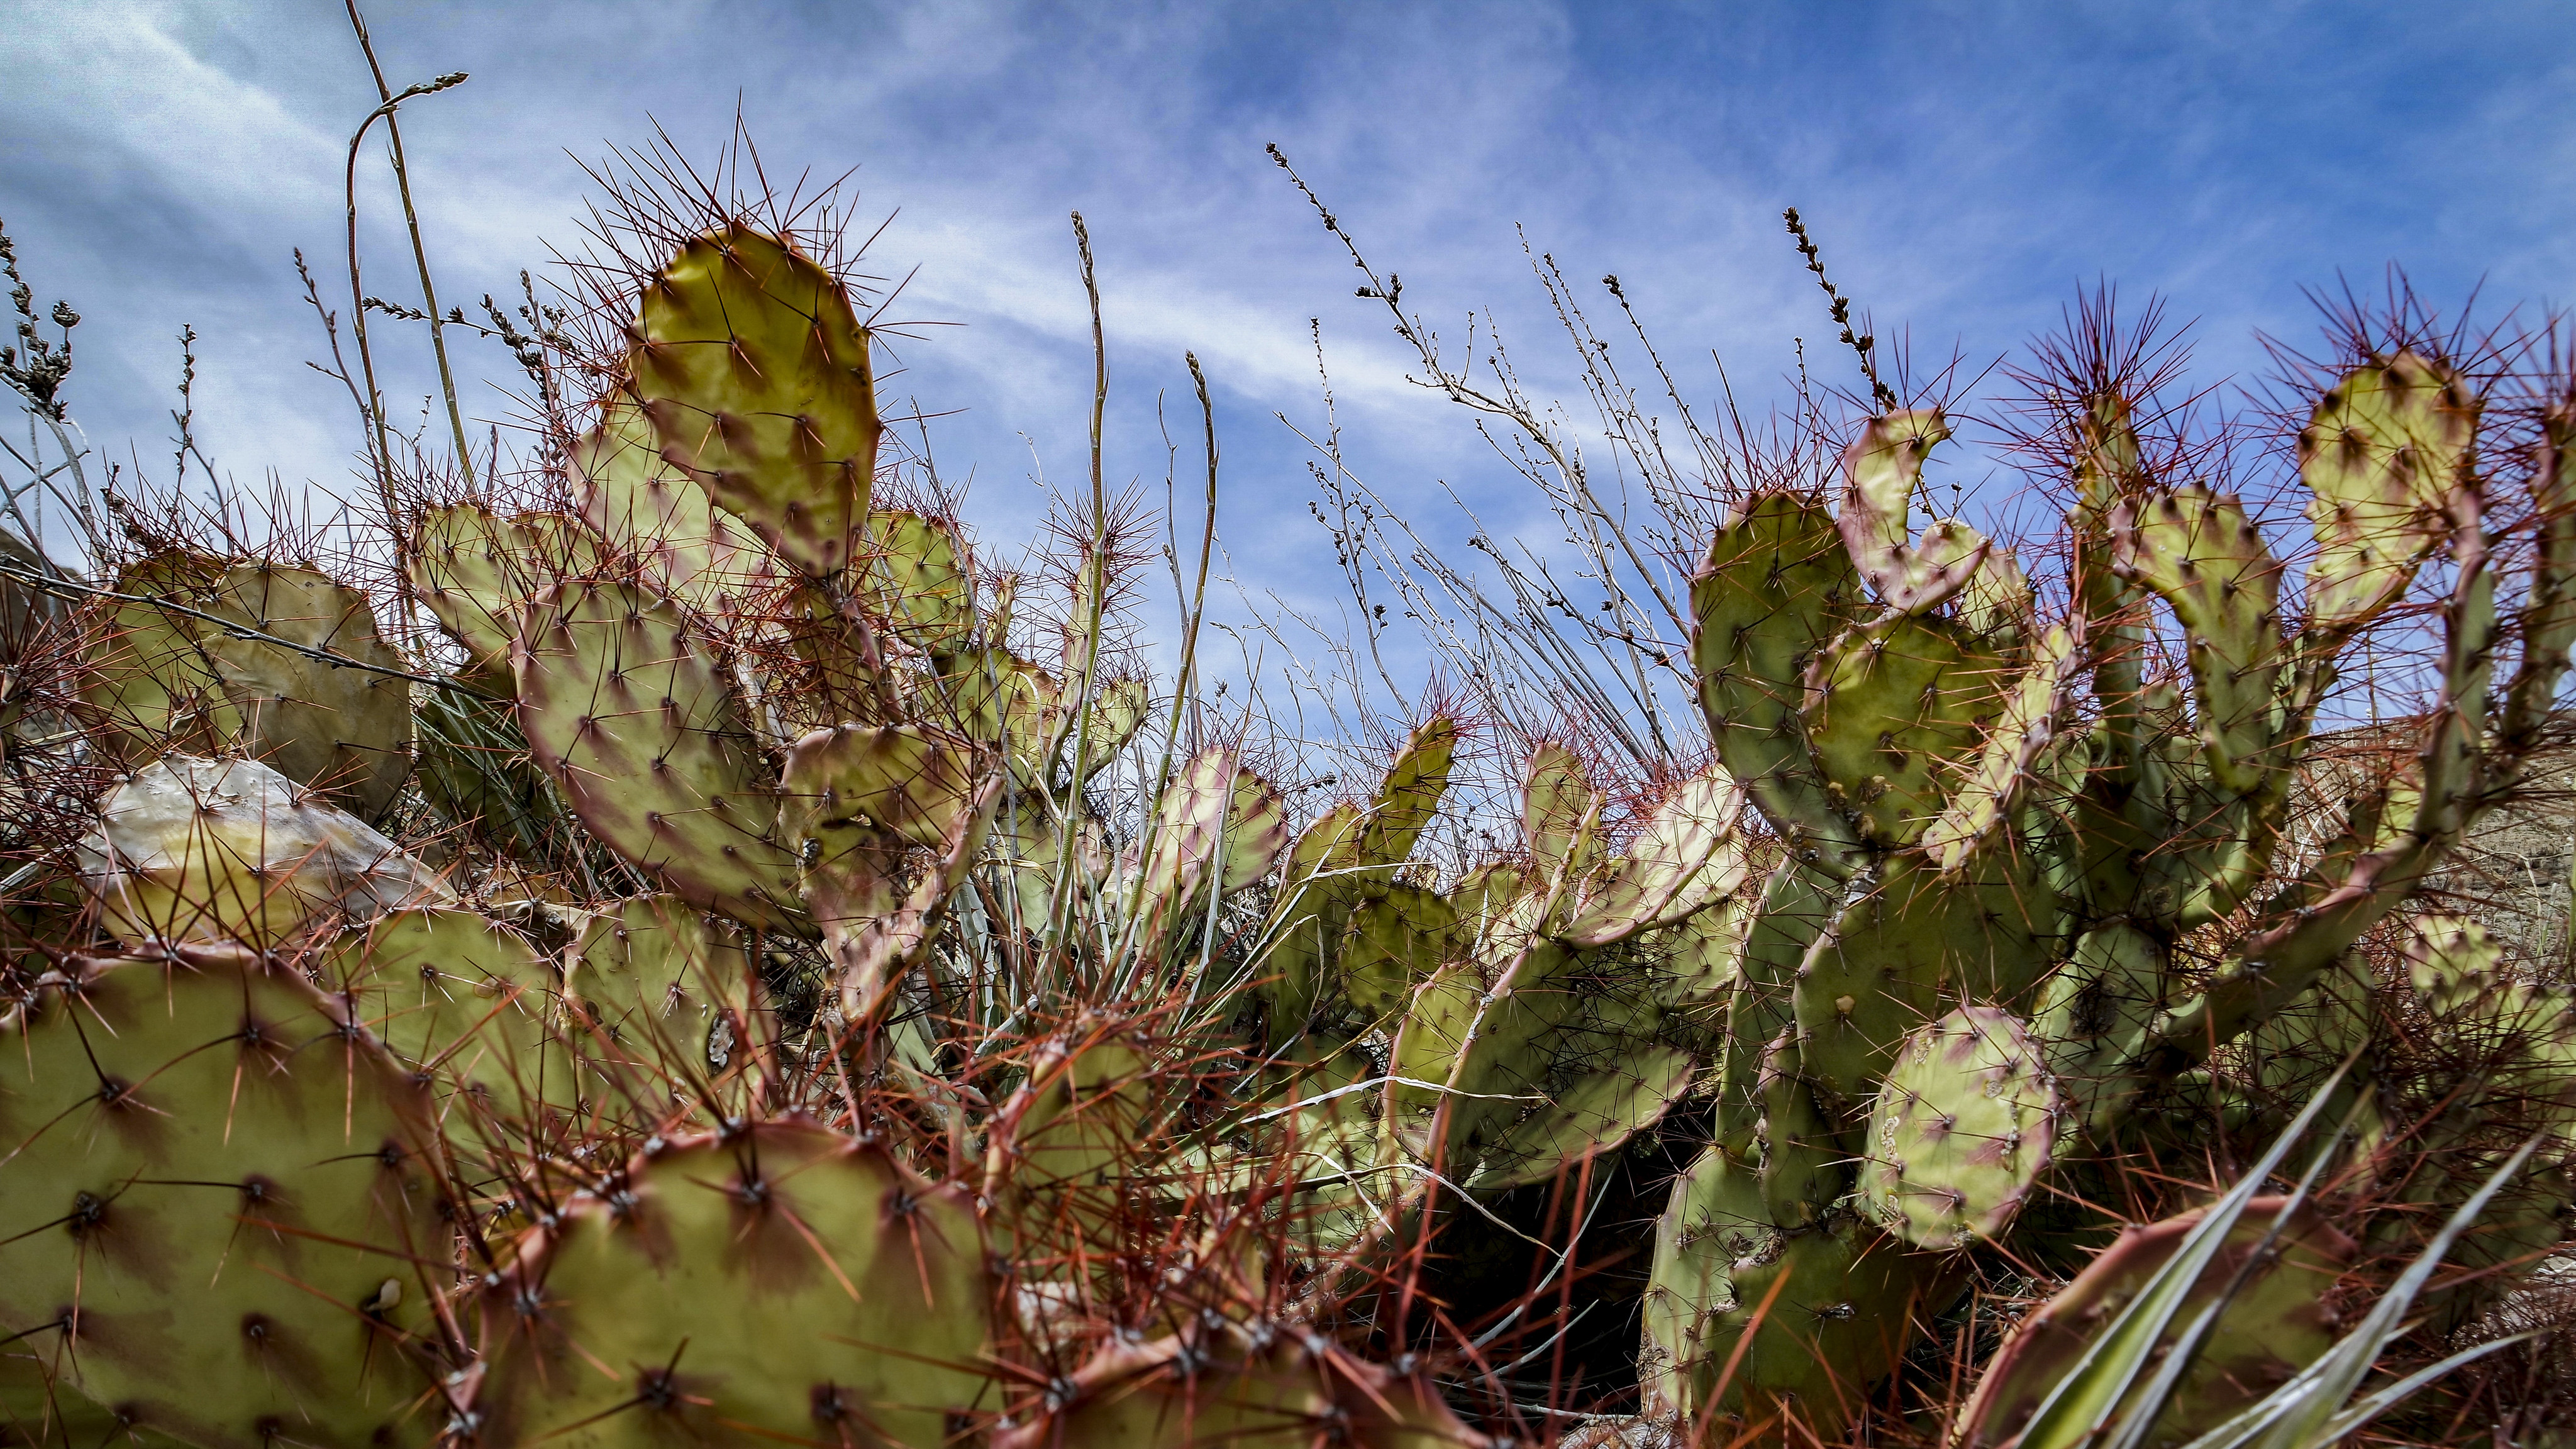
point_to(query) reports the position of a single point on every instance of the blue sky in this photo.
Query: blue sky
(1966, 166)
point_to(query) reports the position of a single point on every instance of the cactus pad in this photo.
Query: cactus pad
(755, 373)
(163, 678)
(1775, 584)
(672, 1006)
(342, 730)
(1687, 857)
(220, 1181)
(775, 1282)
(1828, 1311)
(1409, 795)
(2200, 553)
(1395, 941)
(1218, 828)
(1881, 471)
(1229, 1384)
(1963, 1127)
(691, 549)
(2034, 710)
(1893, 709)
(630, 716)
(454, 990)
(148, 673)
(917, 582)
(1560, 816)
(1905, 940)
(856, 798)
(2381, 455)
(230, 850)
(1346, 857)
(465, 564)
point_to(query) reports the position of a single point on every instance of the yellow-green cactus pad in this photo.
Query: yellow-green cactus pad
(166, 680)
(461, 995)
(476, 571)
(1712, 1219)
(1896, 952)
(645, 508)
(1349, 855)
(2034, 709)
(1439, 1026)
(1963, 1127)
(1775, 585)
(2382, 455)
(1395, 941)
(1308, 920)
(671, 1007)
(216, 1182)
(1218, 828)
(1409, 795)
(1627, 1088)
(629, 714)
(465, 565)
(1881, 470)
(343, 730)
(1688, 856)
(2199, 552)
(755, 373)
(778, 1282)
(230, 850)
(1894, 710)
(1560, 815)
(856, 798)
(918, 583)
(148, 673)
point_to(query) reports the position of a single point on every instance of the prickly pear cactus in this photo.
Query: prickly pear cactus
(222, 1204)
(1997, 981)
(667, 1011)
(738, 1287)
(1962, 1130)
(471, 1003)
(196, 674)
(630, 714)
(755, 373)
(1806, 1318)
(797, 1015)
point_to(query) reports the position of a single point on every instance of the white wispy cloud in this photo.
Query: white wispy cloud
(1966, 165)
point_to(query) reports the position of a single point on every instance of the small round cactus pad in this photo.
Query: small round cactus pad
(1961, 1129)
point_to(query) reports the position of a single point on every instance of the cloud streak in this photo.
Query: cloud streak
(1966, 166)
